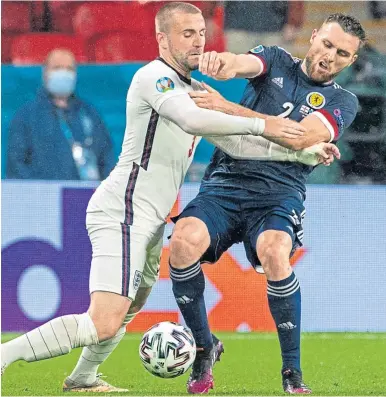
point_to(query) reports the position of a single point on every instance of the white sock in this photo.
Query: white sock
(93, 356)
(55, 338)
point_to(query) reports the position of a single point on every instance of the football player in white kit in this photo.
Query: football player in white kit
(127, 213)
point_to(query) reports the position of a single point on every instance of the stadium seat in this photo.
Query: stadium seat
(6, 46)
(14, 20)
(33, 48)
(62, 14)
(15, 17)
(123, 46)
(95, 18)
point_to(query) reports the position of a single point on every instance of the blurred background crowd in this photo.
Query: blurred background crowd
(66, 67)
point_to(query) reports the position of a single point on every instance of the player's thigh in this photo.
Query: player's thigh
(118, 258)
(222, 220)
(279, 228)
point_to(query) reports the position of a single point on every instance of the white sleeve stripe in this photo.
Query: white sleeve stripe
(261, 64)
(324, 120)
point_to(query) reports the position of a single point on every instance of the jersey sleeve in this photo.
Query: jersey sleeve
(338, 114)
(267, 57)
(156, 85)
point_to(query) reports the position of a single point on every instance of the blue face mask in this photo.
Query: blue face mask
(61, 82)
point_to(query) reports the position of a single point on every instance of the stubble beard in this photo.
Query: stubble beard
(321, 78)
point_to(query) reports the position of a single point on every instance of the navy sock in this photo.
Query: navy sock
(284, 300)
(188, 289)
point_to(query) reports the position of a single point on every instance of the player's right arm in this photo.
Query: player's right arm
(164, 92)
(226, 65)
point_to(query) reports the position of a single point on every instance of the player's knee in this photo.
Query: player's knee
(273, 254)
(190, 239)
(108, 311)
(270, 255)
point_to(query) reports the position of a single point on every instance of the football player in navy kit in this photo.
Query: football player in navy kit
(260, 203)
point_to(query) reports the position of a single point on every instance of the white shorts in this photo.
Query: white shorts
(124, 258)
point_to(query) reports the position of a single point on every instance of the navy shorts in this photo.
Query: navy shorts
(234, 216)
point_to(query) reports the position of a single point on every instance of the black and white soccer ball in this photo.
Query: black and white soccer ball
(167, 349)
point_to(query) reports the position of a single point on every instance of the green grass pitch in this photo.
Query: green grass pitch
(337, 364)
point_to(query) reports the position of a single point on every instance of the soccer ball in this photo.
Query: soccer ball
(167, 349)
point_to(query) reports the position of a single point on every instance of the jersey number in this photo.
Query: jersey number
(192, 147)
(289, 108)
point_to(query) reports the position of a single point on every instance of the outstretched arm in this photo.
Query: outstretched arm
(315, 129)
(258, 148)
(182, 110)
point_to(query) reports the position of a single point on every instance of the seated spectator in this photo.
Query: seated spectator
(57, 135)
(377, 9)
(250, 23)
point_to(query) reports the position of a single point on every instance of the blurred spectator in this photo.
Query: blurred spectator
(366, 78)
(377, 9)
(40, 16)
(250, 23)
(58, 136)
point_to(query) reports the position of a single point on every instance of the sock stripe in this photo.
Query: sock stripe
(60, 347)
(31, 347)
(69, 339)
(40, 332)
(186, 277)
(185, 274)
(185, 270)
(285, 291)
(270, 286)
(283, 295)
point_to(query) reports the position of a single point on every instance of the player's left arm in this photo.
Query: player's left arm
(323, 125)
(326, 124)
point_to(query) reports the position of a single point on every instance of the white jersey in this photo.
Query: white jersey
(156, 153)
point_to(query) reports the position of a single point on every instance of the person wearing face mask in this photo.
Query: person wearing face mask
(58, 136)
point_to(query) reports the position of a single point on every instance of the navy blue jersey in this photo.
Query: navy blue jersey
(282, 89)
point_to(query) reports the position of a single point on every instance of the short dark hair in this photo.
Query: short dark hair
(349, 24)
(164, 14)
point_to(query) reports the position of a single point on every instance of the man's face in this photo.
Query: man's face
(186, 39)
(60, 60)
(332, 49)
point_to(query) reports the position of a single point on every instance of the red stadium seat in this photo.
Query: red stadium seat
(15, 17)
(62, 15)
(6, 46)
(14, 20)
(33, 48)
(118, 47)
(96, 18)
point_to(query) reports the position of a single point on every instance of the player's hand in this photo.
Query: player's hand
(278, 127)
(324, 152)
(217, 65)
(211, 100)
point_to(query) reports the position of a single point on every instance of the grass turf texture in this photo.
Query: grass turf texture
(336, 364)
